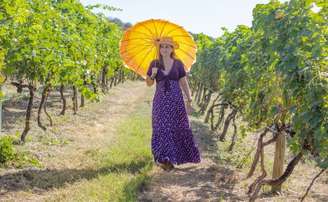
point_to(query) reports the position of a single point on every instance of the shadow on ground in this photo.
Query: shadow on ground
(206, 181)
(44, 180)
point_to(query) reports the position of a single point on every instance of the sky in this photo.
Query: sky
(201, 16)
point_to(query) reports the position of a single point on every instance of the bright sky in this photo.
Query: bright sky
(207, 16)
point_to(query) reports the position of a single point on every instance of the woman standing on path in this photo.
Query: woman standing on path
(172, 139)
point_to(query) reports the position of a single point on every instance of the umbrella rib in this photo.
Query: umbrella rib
(145, 45)
(175, 28)
(141, 33)
(187, 53)
(187, 44)
(152, 34)
(136, 39)
(144, 58)
(155, 27)
(130, 58)
(181, 36)
(166, 22)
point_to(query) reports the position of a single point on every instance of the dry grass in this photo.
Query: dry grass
(86, 157)
(103, 154)
(293, 188)
(217, 177)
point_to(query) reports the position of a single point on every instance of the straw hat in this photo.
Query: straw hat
(167, 40)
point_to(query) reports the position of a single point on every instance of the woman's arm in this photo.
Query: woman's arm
(151, 73)
(183, 82)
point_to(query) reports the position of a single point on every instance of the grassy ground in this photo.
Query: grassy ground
(103, 154)
(100, 154)
(120, 171)
(221, 174)
(240, 160)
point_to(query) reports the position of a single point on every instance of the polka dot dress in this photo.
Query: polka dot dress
(172, 138)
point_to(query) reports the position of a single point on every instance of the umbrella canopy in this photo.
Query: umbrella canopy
(139, 44)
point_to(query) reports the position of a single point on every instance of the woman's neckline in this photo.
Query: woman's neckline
(170, 69)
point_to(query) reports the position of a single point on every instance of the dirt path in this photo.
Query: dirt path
(91, 131)
(205, 181)
(66, 151)
(213, 180)
(75, 139)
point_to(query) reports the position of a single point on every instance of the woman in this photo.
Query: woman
(172, 138)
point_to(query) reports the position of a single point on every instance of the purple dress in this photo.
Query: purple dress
(172, 138)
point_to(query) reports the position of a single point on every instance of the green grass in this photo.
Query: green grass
(238, 155)
(50, 139)
(12, 156)
(123, 169)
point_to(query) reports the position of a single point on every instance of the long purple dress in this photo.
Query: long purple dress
(172, 138)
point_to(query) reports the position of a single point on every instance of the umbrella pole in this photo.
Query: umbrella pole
(157, 56)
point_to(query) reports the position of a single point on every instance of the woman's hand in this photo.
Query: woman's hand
(154, 71)
(150, 80)
(189, 108)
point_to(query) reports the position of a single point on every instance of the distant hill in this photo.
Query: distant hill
(120, 23)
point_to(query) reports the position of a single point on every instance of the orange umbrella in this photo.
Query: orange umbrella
(139, 44)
